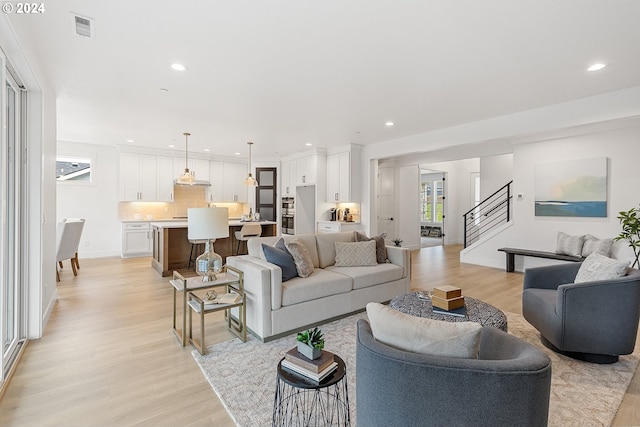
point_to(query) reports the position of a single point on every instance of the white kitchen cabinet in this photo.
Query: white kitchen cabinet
(306, 170)
(138, 181)
(343, 175)
(136, 239)
(287, 180)
(165, 179)
(234, 188)
(216, 174)
(337, 226)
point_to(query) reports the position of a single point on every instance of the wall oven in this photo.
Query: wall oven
(288, 215)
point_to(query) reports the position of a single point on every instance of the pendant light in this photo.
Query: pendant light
(250, 180)
(187, 178)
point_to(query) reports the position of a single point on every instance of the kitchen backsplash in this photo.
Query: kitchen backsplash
(184, 197)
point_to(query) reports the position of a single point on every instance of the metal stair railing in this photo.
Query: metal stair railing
(488, 214)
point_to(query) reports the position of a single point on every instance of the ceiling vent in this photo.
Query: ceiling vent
(84, 26)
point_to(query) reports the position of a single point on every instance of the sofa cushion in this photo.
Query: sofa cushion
(363, 277)
(309, 240)
(354, 254)
(327, 248)
(381, 247)
(569, 245)
(301, 257)
(599, 267)
(321, 283)
(280, 256)
(594, 245)
(423, 335)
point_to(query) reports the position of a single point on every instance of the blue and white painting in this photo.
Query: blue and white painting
(571, 188)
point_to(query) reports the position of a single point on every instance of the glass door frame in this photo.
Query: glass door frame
(13, 280)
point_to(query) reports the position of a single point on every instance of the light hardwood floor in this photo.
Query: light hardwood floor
(109, 358)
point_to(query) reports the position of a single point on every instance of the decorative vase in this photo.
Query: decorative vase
(308, 351)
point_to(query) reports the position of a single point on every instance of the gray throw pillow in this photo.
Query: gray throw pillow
(599, 267)
(594, 245)
(280, 256)
(569, 245)
(381, 247)
(355, 254)
(301, 256)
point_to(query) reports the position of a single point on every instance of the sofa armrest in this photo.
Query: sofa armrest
(550, 276)
(401, 257)
(257, 286)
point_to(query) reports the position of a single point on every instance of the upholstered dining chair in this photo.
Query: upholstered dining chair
(68, 234)
(247, 232)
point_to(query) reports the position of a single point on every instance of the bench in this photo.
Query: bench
(512, 252)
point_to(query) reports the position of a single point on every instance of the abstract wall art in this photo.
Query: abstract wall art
(576, 188)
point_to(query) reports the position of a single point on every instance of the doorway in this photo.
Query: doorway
(266, 193)
(432, 216)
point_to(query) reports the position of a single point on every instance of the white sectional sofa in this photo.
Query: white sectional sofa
(275, 308)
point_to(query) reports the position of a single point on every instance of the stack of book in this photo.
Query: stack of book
(315, 370)
(448, 300)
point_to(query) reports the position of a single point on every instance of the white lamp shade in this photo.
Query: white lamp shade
(207, 223)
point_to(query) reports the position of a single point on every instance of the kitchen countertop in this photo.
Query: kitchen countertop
(183, 223)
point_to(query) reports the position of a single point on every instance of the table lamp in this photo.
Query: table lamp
(208, 224)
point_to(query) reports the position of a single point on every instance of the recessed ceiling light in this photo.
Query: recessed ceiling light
(596, 67)
(171, 146)
(178, 67)
(308, 144)
(389, 124)
(206, 150)
(130, 140)
(237, 154)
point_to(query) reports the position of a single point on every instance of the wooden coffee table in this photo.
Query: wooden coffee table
(477, 311)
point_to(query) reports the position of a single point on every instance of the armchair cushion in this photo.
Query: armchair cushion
(599, 267)
(423, 335)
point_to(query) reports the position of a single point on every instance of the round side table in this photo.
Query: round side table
(300, 401)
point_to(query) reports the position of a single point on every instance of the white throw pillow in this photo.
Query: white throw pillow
(594, 245)
(423, 335)
(569, 245)
(355, 254)
(599, 267)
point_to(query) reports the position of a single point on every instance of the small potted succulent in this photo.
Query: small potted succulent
(397, 241)
(311, 343)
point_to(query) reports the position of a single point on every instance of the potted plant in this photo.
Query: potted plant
(631, 231)
(311, 343)
(397, 241)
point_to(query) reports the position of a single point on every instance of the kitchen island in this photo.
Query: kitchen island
(171, 247)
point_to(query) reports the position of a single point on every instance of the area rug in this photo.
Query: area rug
(243, 375)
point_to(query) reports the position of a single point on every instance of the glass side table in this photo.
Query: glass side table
(229, 277)
(303, 402)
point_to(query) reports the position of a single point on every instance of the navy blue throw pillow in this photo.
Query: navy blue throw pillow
(280, 256)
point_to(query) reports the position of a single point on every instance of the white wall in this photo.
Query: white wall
(495, 172)
(622, 149)
(96, 201)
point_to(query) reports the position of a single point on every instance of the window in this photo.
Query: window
(73, 169)
(432, 203)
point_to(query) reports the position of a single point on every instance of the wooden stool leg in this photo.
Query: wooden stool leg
(73, 267)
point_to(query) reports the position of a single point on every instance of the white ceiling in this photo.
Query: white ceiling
(283, 73)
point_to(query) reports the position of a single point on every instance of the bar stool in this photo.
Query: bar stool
(247, 232)
(195, 244)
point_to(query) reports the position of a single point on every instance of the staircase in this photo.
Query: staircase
(493, 211)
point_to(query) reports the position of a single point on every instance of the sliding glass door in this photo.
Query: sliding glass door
(12, 185)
